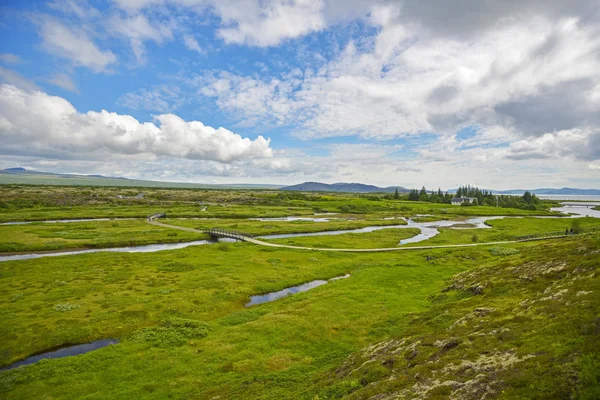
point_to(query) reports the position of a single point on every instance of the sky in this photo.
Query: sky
(502, 94)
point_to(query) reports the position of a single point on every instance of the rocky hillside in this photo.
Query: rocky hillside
(525, 326)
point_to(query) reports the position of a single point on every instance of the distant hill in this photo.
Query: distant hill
(343, 187)
(22, 176)
(545, 191)
(564, 191)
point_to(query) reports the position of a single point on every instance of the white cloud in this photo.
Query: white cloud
(408, 84)
(74, 45)
(268, 23)
(582, 144)
(12, 77)
(161, 98)
(9, 58)
(36, 123)
(64, 81)
(192, 44)
(80, 8)
(138, 29)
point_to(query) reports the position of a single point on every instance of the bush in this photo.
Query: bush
(503, 251)
(176, 267)
(474, 238)
(172, 331)
(576, 226)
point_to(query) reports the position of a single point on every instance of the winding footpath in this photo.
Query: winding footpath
(263, 243)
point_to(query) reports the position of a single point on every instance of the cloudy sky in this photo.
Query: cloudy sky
(500, 93)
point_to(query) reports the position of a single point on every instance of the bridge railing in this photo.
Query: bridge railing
(227, 233)
(157, 215)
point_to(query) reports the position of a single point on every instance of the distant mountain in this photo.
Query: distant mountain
(21, 175)
(343, 187)
(565, 191)
(545, 191)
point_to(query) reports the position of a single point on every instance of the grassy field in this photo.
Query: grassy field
(510, 321)
(98, 234)
(280, 227)
(33, 203)
(384, 238)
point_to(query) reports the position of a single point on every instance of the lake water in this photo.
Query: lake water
(569, 197)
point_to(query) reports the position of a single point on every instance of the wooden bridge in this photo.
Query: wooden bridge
(580, 204)
(216, 233)
(156, 216)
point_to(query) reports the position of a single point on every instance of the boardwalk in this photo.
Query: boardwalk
(252, 240)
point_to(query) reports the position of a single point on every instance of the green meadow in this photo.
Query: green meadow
(517, 320)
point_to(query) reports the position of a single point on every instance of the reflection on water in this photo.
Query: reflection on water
(63, 351)
(265, 298)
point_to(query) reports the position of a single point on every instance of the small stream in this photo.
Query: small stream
(63, 351)
(266, 298)
(60, 221)
(428, 230)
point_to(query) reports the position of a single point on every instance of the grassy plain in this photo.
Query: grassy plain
(32, 203)
(383, 238)
(53, 236)
(511, 321)
(258, 228)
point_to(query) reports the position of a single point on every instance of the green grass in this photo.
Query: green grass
(526, 327)
(288, 348)
(119, 294)
(384, 238)
(402, 324)
(508, 229)
(97, 234)
(280, 227)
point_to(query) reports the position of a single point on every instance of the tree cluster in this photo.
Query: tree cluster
(482, 197)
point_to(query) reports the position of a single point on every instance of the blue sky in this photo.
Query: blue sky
(499, 94)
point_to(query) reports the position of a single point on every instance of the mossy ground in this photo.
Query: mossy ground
(511, 321)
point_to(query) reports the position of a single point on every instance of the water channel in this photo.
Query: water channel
(428, 230)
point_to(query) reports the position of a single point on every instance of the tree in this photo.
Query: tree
(396, 194)
(413, 195)
(527, 197)
(576, 226)
(423, 191)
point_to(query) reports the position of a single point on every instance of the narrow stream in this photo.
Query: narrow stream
(428, 230)
(60, 221)
(266, 298)
(63, 351)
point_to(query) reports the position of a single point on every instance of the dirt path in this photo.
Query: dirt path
(285, 246)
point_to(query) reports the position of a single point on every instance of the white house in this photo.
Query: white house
(457, 201)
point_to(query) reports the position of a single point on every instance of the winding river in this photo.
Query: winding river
(428, 230)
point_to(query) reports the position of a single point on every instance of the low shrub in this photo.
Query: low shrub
(172, 331)
(175, 266)
(503, 251)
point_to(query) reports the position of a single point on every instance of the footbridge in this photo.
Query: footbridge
(217, 233)
(580, 204)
